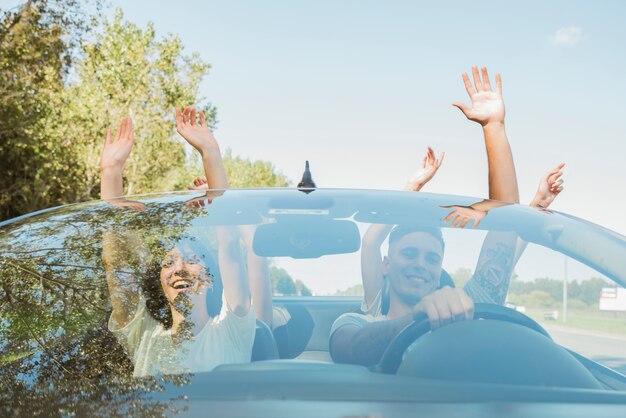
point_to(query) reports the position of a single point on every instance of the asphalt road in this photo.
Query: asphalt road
(606, 349)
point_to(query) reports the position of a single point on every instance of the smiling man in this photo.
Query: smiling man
(413, 263)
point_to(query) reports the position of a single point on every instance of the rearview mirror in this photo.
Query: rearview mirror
(312, 239)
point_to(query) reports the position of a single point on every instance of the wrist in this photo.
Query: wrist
(210, 152)
(538, 203)
(412, 186)
(494, 126)
(111, 170)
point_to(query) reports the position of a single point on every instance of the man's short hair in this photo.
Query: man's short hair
(399, 231)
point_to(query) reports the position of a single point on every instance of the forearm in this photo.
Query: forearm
(234, 278)
(367, 345)
(214, 168)
(521, 244)
(260, 287)
(490, 282)
(121, 283)
(487, 205)
(502, 177)
(111, 185)
(371, 260)
(413, 186)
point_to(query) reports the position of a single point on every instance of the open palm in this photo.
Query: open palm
(487, 105)
(116, 151)
(198, 135)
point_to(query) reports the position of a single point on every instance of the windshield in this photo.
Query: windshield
(112, 294)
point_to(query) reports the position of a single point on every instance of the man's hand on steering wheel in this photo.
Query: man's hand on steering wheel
(445, 306)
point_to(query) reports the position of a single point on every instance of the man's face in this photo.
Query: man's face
(413, 266)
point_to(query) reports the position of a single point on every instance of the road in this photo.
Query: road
(607, 349)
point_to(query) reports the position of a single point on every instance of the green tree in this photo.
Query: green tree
(38, 45)
(243, 172)
(283, 284)
(356, 290)
(302, 289)
(126, 70)
(60, 91)
(590, 290)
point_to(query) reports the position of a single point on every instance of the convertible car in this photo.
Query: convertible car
(59, 357)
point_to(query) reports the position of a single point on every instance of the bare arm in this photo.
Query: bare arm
(372, 261)
(258, 271)
(258, 268)
(371, 258)
(121, 282)
(365, 344)
(198, 135)
(234, 278)
(115, 152)
(463, 215)
(488, 110)
(495, 263)
(490, 282)
(121, 279)
(549, 188)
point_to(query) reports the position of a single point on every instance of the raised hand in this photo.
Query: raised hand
(199, 183)
(116, 151)
(430, 165)
(198, 135)
(487, 105)
(549, 187)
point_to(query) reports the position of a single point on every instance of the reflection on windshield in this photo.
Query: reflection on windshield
(111, 293)
(56, 304)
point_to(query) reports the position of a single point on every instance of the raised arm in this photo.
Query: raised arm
(115, 152)
(121, 280)
(258, 272)
(549, 188)
(199, 136)
(371, 258)
(491, 278)
(235, 280)
(258, 267)
(487, 109)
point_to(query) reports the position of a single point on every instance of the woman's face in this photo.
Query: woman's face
(182, 274)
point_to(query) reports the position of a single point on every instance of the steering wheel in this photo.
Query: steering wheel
(392, 357)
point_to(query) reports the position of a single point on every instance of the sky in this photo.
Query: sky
(361, 88)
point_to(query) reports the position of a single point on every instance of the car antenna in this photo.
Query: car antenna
(306, 185)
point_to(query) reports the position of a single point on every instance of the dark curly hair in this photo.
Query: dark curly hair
(157, 304)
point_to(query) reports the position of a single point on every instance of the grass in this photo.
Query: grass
(587, 319)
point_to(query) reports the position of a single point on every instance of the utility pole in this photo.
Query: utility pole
(565, 291)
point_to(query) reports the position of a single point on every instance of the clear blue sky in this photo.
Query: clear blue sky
(360, 88)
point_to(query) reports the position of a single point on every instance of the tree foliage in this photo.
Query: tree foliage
(284, 285)
(242, 172)
(547, 292)
(37, 48)
(126, 70)
(65, 79)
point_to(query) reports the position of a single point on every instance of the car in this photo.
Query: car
(58, 357)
